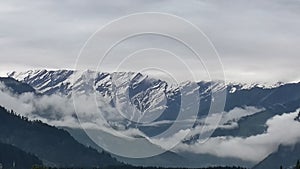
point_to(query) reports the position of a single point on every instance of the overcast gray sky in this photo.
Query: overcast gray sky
(257, 40)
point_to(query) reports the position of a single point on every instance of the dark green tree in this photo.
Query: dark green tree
(297, 165)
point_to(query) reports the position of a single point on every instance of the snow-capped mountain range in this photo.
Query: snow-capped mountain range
(146, 93)
(246, 113)
(64, 81)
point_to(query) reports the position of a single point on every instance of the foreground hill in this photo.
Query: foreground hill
(13, 157)
(54, 146)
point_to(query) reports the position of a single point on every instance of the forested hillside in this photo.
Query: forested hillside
(55, 147)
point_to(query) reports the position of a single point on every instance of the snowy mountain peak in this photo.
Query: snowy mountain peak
(144, 92)
(64, 81)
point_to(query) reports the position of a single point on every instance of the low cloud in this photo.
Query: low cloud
(82, 112)
(53, 109)
(228, 120)
(282, 129)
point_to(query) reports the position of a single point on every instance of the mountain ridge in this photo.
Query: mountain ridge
(24, 75)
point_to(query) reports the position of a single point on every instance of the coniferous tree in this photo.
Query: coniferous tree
(297, 165)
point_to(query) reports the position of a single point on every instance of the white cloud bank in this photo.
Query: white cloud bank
(282, 129)
(228, 120)
(63, 111)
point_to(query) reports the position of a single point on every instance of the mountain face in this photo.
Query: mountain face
(13, 157)
(16, 86)
(145, 93)
(285, 156)
(275, 101)
(54, 146)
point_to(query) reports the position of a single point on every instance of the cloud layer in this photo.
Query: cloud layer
(282, 129)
